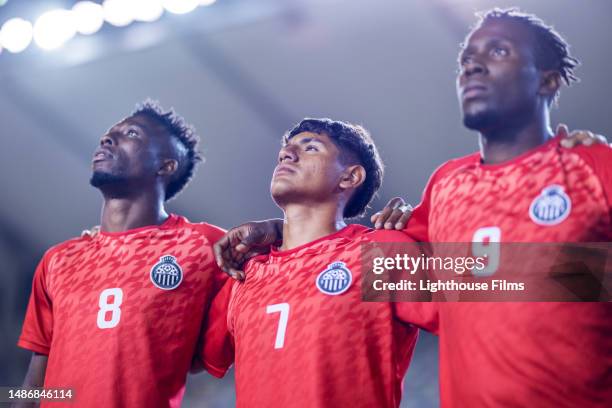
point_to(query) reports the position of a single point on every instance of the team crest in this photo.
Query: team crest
(551, 207)
(334, 280)
(167, 273)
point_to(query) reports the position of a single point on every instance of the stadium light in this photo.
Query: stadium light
(118, 12)
(88, 17)
(207, 2)
(16, 34)
(147, 10)
(53, 28)
(180, 6)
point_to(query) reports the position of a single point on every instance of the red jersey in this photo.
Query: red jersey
(522, 354)
(119, 314)
(300, 334)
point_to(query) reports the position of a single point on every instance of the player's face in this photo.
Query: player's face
(309, 170)
(128, 152)
(498, 78)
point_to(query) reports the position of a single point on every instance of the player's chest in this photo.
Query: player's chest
(530, 204)
(313, 295)
(117, 283)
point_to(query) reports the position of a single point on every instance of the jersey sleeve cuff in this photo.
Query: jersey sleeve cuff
(33, 346)
(215, 371)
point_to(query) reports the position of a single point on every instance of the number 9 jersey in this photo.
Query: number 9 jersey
(119, 314)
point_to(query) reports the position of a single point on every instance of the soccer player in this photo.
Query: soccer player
(520, 187)
(296, 328)
(116, 317)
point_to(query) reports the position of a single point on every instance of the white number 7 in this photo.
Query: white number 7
(283, 308)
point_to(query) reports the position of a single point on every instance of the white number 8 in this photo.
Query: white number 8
(105, 307)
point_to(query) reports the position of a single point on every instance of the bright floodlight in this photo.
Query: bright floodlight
(207, 2)
(180, 6)
(118, 12)
(54, 28)
(16, 34)
(147, 10)
(88, 17)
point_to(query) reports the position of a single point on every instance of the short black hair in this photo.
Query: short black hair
(551, 50)
(354, 142)
(184, 133)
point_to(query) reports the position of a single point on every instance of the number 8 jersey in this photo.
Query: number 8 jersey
(301, 336)
(119, 314)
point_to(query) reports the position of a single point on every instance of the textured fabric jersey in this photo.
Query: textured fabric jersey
(300, 334)
(119, 314)
(522, 354)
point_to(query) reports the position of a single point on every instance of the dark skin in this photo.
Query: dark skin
(503, 96)
(131, 167)
(502, 93)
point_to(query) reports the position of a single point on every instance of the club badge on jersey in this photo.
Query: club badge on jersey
(334, 280)
(551, 207)
(167, 273)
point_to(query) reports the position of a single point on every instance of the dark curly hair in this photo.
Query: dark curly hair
(184, 133)
(551, 50)
(354, 142)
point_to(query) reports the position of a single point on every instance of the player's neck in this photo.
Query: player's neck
(126, 213)
(306, 223)
(503, 144)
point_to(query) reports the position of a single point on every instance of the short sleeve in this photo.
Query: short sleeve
(599, 158)
(37, 329)
(216, 350)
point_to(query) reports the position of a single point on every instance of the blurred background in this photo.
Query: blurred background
(242, 72)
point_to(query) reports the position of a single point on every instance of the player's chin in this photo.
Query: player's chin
(478, 116)
(101, 177)
(280, 187)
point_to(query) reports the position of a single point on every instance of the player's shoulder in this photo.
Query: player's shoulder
(70, 245)
(373, 235)
(453, 165)
(594, 155)
(209, 231)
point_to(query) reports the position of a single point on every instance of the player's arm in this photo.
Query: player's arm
(35, 377)
(215, 351)
(242, 243)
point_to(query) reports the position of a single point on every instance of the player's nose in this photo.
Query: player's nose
(287, 153)
(474, 66)
(106, 140)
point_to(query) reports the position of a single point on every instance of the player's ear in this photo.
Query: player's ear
(353, 177)
(550, 83)
(168, 167)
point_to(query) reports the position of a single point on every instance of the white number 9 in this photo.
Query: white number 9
(485, 244)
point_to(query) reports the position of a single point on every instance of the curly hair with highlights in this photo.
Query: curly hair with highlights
(184, 133)
(353, 141)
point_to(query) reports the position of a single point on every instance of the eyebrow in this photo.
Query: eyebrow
(307, 140)
(141, 128)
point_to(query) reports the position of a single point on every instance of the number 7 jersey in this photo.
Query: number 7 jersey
(119, 314)
(300, 334)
